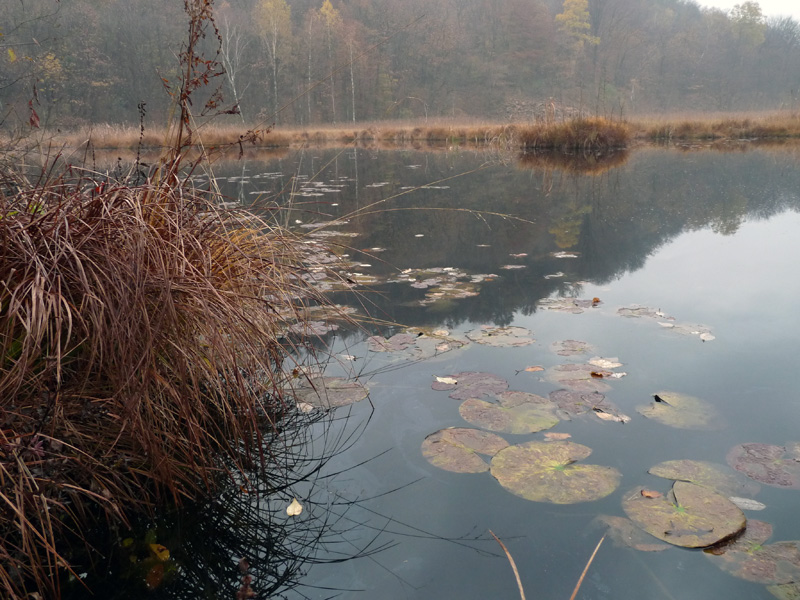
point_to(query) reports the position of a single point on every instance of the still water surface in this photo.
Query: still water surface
(710, 238)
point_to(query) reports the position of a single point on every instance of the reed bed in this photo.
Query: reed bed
(582, 134)
(141, 355)
(719, 126)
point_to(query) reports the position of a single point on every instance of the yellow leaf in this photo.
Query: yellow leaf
(12, 56)
(159, 552)
(294, 509)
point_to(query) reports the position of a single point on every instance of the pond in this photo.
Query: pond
(678, 267)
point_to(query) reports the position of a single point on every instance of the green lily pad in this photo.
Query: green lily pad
(785, 591)
(471, 384)
(749, 558)
(691, 515)
(330, 392)
(501, 336)
(457, 449)
(720, 478)
(681, 411)
(570, 347)
(545, 472)
(514, 412)
(625, 533)
(777, 466)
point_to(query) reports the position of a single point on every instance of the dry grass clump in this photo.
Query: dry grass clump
(140, 355)
(582, 134)
(719, 126)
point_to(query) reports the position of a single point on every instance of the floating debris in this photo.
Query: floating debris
(501, 337)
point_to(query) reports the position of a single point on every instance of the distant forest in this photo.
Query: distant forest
(311, 62)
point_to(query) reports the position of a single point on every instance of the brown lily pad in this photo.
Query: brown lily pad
(748, 557)
(501, 336)
(512, 412)
(578, 377)
(471, 384)
(574, 403)
(570, 348)
(330, 392)
(546, 472)
(457, 449)
(720, 478)
(681, 411)
(690, 515)
(777, 466)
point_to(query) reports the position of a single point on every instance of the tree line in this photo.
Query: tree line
(306, 62)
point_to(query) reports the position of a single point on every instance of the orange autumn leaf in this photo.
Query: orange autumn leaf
(651, 494)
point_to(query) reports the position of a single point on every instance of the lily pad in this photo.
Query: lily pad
(574, 403)
(514, 412)
(785, 591)
(570, 347)
(624, 532)
(457, 449)
(691, 515)
(415, 344)
(578, 377)
(719, 478)
(501, 336)
(569, 305)
(681, 411)
(472, 384)
(545, 472)
(749, 558)
(330, 392)
(773, 465)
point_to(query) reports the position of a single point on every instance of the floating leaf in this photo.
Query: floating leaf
(330, 392)
(447, 380)
(774, 465)
(396, 343)
(155, 576)
(472, 384)
(651, 494)
(545, 472)
(749, 558)
(415, 344)
(691, 515)
(514, 412)
(159, 552)
(624, 532)
(294, 509)
(533, 369)
(557, 436)
(570, 347)
(681, 411)
(605, 363)
(457, 449)
(747, 503)
(501, 336)
(719, 478)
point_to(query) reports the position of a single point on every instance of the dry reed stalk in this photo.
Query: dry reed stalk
(140, 355)
(586, 569)
(513, 565)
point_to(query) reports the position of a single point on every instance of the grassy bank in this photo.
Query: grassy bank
(576, 134)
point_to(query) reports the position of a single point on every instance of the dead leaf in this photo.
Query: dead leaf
(294, 509)
(552, 436)
(447, 380)
(534, 369)
(651, 494)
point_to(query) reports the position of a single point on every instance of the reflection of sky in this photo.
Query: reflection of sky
(743, 286)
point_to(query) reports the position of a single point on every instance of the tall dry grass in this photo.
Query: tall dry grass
(581, 134)
(140, 355)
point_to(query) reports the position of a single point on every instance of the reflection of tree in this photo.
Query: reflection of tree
(620, 217)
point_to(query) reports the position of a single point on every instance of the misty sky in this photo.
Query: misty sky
(768, 7)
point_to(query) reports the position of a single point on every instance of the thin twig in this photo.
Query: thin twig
(513, 565)
(586, 568)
